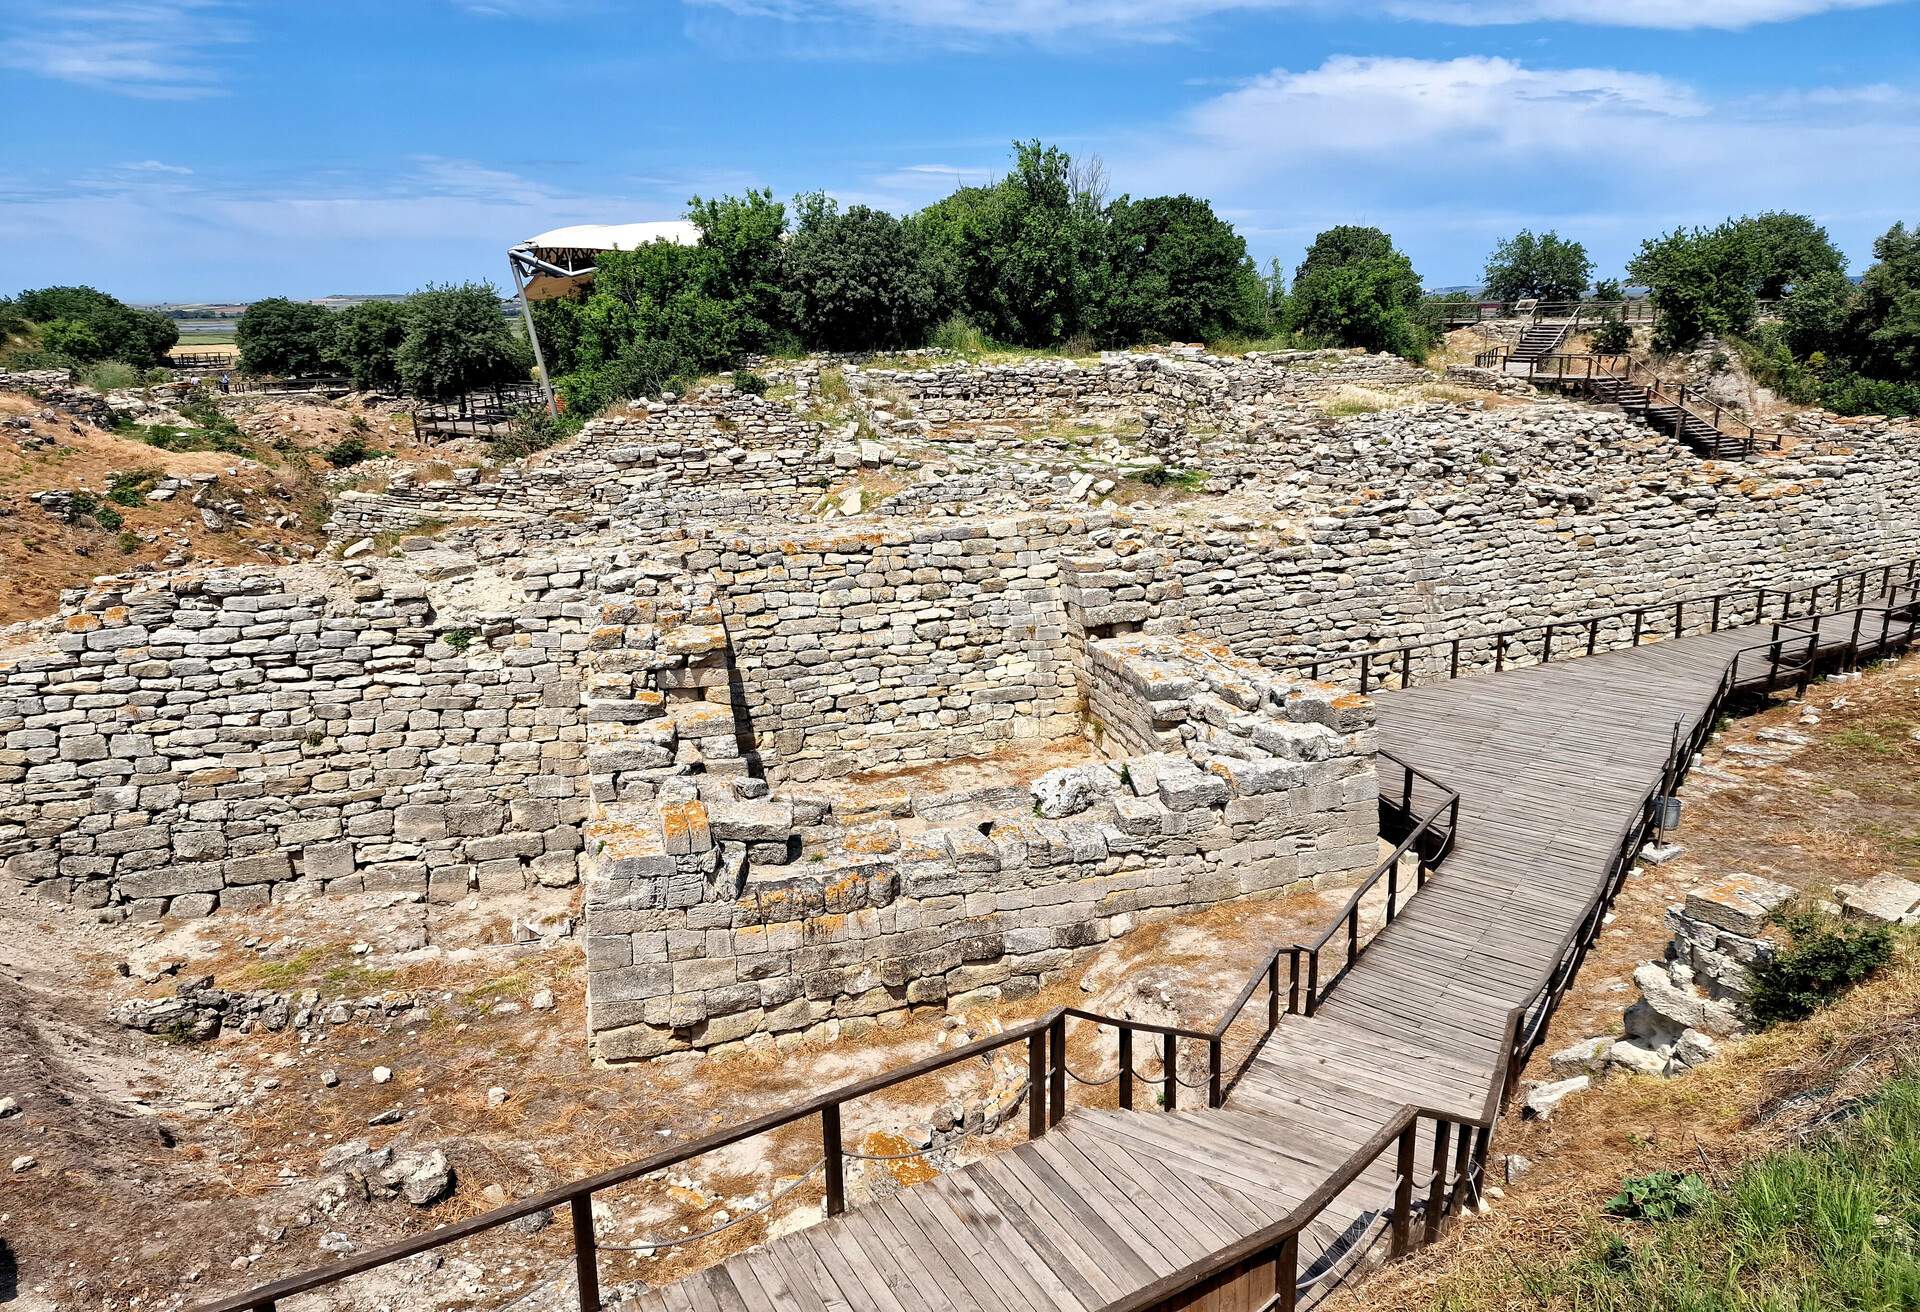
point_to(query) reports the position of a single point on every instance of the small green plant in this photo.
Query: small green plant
(1823, 957)
(750, 383)
(111, 376)
(315, 737)
(458, 639)
(349, 451)
(533, 429)
(958, 335)
(833, 386)
(129, 542)
(109, 519)
(80, 505)
(130, 486)
(1172, 476)
(1661, 1196)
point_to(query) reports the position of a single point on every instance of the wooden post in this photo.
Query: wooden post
(836, 1160)
(1436, 1189)
(1313, 981)
(1215, 1096)
(1403, 1190)
(1273, 993)
(1169, 1062)
(1057, 1082)
(1463, 1148)
(1593, 634)
(1286, 1275)
(1499, 652)
(1036, 1084)
(1126, 1068)
(586, 1258)
(1293, 982)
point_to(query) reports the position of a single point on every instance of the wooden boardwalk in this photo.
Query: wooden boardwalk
(1552, 763)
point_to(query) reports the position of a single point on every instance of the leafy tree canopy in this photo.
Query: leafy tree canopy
(1788, 249)
(366, 342)
(285, 338)
(1545, 266)
(1355, 289)
(456, 341)
(857, 277)
(96, 326)
(1179, 273)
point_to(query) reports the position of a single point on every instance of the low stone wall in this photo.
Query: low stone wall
(704, 929)
(220, 740)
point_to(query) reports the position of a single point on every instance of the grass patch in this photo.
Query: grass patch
(1828, 1225)
(1186, 480)
(1243, 345)
(1347, 401)
(1882, 738)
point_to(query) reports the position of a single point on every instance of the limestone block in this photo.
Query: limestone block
(1887, 898)
(1739, 904)
(768, 821)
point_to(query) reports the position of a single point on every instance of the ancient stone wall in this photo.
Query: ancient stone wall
(219, 740)
(722, 911)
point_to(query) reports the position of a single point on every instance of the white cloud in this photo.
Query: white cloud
(1446, 153)
(1162, 19)
(1670, 14)
(157, 166)
(152, 49)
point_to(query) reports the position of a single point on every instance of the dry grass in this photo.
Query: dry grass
(1833, 811)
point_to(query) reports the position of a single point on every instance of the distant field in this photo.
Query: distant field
(202, 341)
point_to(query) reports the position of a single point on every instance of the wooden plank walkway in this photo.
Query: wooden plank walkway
(1551, 762)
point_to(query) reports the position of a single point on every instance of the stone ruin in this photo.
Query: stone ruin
(818, 758)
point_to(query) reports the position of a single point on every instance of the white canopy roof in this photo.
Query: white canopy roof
(615, 236)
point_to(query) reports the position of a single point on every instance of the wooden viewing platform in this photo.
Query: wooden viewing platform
(1365, 1105)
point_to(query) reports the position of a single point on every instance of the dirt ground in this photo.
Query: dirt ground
(204, 1160)
(1811, 794)
(42, 553)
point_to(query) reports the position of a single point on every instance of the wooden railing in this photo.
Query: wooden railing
(1424, 837)
(1586, 635)
(476, 413)
(1789, 655)
(1595, 371)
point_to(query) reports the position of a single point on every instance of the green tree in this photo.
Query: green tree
(1887, 313)
(284, 338)
(1177, 272)
(1702, 283)
(73, 339)
(366, 342)
(456, 340)
(1025, 258)
(1788, 249)
(743, 236)
(115, 331)
(1546, 266)
(1355, 289)
(1819, 316)
(858, 279)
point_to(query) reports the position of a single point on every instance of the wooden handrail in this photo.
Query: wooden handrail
(1047, 1032)
(1715, 606)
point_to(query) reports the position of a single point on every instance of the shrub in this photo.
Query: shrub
(751, 384)
(532, 429)
(1613, 337)
(1178, 272)
(95, 326)
(1823, 957)
(366, 342)
(129, 542)
(1172, 476)
(108, 518)
(1661, 1196)
(111, 376)
(1355, 289)
(458, 639)
(129, 487)
(349, 451)
(957, 334)
(858, 278)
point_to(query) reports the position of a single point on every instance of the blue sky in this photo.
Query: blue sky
(214, 149)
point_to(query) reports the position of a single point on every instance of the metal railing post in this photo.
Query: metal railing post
(1126, 1069)
(1170, 1061)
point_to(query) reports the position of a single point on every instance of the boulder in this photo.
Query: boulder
(1543, 1097)
(1887, 898)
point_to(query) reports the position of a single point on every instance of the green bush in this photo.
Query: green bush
(1823, 957)
(1355, 289)
(1661, 1196)
(957, 334)
(751, 384)
(533, 429)
(1613, 337)
(109, 519)
(1172, 476)
(857, 277)
(111, 376)
(130, 487)
(84, 325)
(129, 542)
(350, 451)
(366, 342)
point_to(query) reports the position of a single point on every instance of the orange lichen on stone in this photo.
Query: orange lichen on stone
(81, 623)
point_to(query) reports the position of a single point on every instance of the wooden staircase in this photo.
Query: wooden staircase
(1538, 341)
(1659, 412)
(1667, 406)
